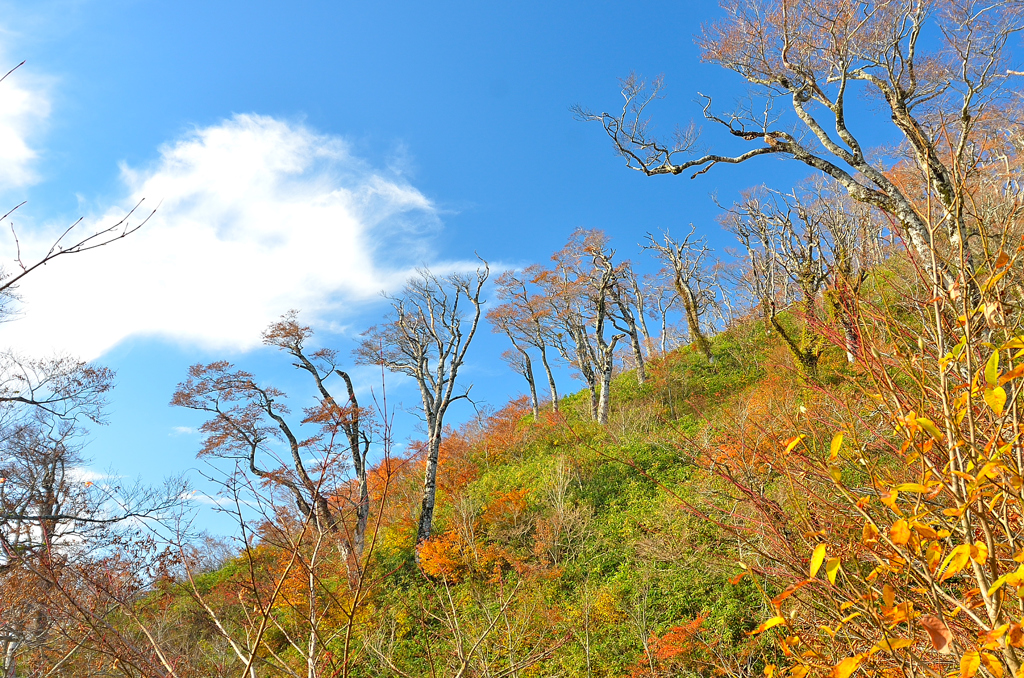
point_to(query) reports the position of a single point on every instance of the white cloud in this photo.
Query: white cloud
(24, 108)
(182, 430)
(80, 474)
(256, 216)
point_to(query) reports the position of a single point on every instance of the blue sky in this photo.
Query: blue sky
(306, 155)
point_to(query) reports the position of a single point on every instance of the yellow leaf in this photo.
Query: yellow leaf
(837, 442)
(817, 558)
(917, 488)
(902, 612)
(900, 532)
(798, 671)
(996, 585)
(793, 442)
(925, 531)
(996, 398)
(934, 554)
(979, 552)
(773, 622)
(928, 426)
(846, 667)
(832, 568)
(992, 664)
(893, 644)
(969, 664)
(992, 369)
(955, 561)
(990, 640)
(889, 499)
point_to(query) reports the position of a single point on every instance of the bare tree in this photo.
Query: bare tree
(578, 292)
(695, 285)
(530, 317)
(625, 295)
(786, 253)
(54, 525)
(939, 69)
(663, 299)
(518, 358)
(426, 336)
(247, 417)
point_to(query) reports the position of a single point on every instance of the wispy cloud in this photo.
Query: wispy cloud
(80, 474)
(182, 430)
(256, 216)
(24, 108)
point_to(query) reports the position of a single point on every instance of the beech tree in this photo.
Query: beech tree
(579, 293)
(426, 336)
(624, 293)
(694, 284)
(940, 70)
(811, 247)
(525, 311)
(246, 418)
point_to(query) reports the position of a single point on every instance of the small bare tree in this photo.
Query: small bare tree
(525, 312)
(694, 283)
(786, 253)
(247, 417)
(426, 336)
(578, 293)
(623, 291)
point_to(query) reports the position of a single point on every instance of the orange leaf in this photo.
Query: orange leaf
(888, 596)
(788, 591)
(938, 632)
(774, 621)
(900, 532)
(846, 667)
(993, 665)
(1015, 636)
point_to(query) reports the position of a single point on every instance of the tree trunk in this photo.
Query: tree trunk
(551, 378)
(638, 355)
(604, 404)
(429, 491)
(535, 406)
(693, 321)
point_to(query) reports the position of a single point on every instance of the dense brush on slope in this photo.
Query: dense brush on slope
(564, 548)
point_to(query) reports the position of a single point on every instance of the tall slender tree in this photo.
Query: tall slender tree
(426, 336)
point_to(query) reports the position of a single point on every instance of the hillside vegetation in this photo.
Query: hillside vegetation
(812, 465)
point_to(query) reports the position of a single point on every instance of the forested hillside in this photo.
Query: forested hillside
(799, 458)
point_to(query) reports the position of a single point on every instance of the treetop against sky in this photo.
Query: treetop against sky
(312, 156)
